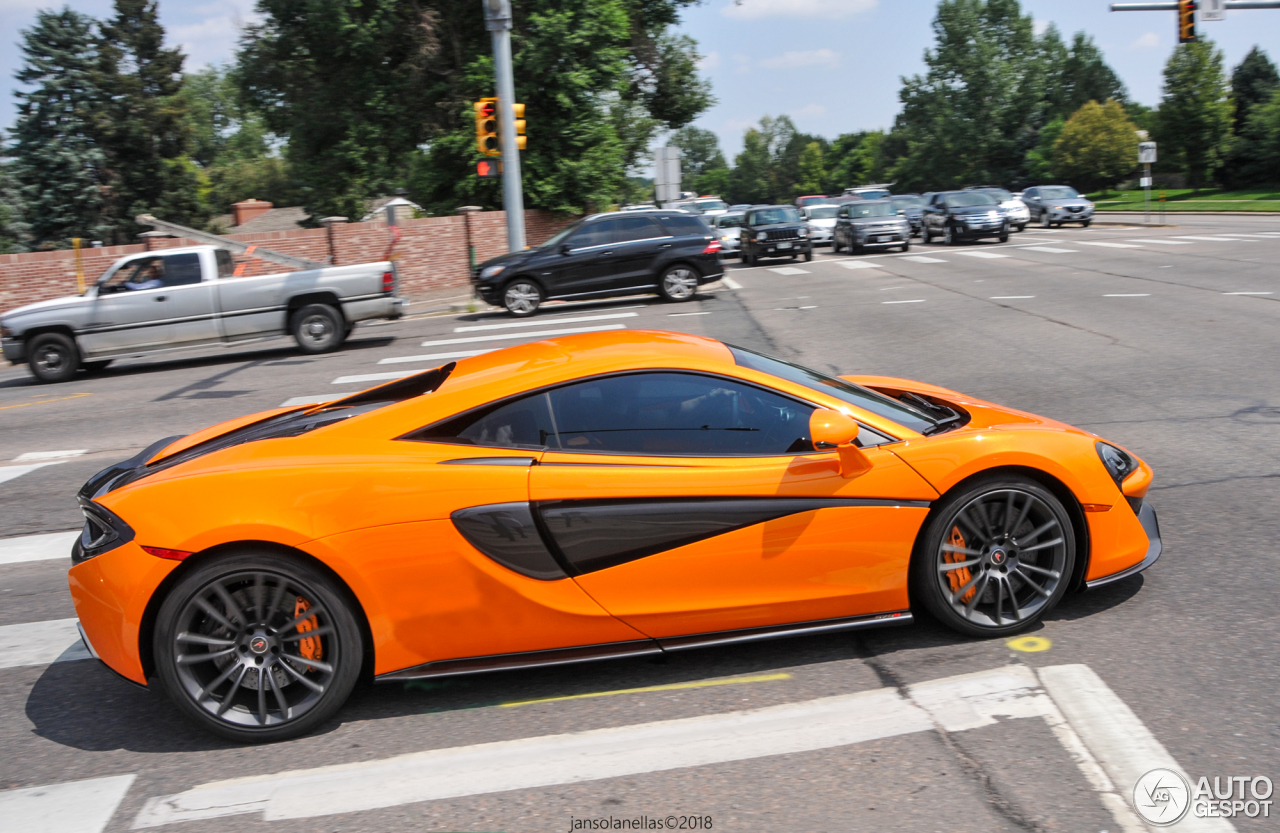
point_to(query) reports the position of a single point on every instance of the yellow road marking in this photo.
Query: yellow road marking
(761, 678)
(44, 401)
(1030, 644)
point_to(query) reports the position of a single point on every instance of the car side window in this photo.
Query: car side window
(594, 234)
(844, 212)
(522, 423)
(181, 270)
(226, 264)
(684, 225)
(1030, 193)
(678, 414)
(636, 228)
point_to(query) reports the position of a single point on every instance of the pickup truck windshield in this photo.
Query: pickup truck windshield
(771, 216)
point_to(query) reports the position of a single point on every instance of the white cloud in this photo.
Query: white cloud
(808, 110)
(1040, 26)
(208, 33)
(809, 58)
(825, 9)
(709, 61)
(1148, 41)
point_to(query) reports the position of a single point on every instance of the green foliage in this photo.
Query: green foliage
(855, 159)
(1076, 76)
(13, 230)
(58, 170)
(1098, 146)
(1258, 149)
(702, 165)
(1194, 122)
(764, 172)
(1039, 160)
(813, 174)
(1252, 83)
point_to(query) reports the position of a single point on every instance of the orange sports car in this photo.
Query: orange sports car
(594, 496)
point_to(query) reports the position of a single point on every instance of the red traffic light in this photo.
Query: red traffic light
(488, 169)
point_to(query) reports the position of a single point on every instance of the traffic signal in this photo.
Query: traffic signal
(487, 127)
(488, 170)
(520, 137)
(1186, 21)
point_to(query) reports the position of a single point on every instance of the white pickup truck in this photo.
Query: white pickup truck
(177, 298)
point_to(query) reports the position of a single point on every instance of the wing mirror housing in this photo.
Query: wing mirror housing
(833, 430)
(564, 248)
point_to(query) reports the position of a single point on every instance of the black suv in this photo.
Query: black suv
(774, 231)
(964, 215)
(665, 251)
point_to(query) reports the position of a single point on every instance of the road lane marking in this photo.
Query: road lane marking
(8, 473)
(563, 331)
(730, 282)
(1115, 736)
(1130, 295)
(1246, 293)
(47, 547)
(922, 259)
(1230, 234)
(857, 264)
(1010, 297)
(44, 401)
(429, 357)
(39, 456)
(1162, 242)
(982, 254)
(565, 320)
(71, 807)
(1206, 239)
(40, 643)
(1108, 245)
(305, 400)
(951, 704)
(1050, 250)
(372, 377)
(682, 314)
(912, 301)
(788, 270)
(759, 678)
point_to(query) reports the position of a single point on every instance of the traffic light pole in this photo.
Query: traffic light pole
(497, 19)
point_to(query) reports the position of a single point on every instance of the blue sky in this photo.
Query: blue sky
(832, 65)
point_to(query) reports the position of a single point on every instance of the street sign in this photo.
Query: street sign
(666, 174)
(1146, 153)
(1213, 9)
(1144, 182)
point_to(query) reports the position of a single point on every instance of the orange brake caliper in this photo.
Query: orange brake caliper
(308, 648)
(958, 578)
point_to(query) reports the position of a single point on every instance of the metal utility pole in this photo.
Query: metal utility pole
(497, 19)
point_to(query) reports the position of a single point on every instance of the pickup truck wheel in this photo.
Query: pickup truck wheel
(318, 328)
(54, 357)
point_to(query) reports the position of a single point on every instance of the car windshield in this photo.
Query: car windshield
(803, 201)
(559, 236)
(823, 212)
(968, 198)
(864, 398)
(712, 205)
(872, 209)
(776, 214)
(729, 221)
(908, 202)
(876, 194)
(1058, 192)
(998, 194)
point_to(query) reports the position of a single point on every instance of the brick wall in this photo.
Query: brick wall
(432, 253)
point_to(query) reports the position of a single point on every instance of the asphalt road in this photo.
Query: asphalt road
(1140, 335)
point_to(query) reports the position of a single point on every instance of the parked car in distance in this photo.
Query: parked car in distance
(821, 218)
(742, 206)
(640, 206)
(1014, 208)
(964, 215)
(729, 229)
(189, 297)
(1053, 205)
(912, 207)
(868, 192)
(874, 224)
(661, 250)
(774, 231)
(811, 199)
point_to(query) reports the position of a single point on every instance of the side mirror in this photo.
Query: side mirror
(564, 249)
(833, 430)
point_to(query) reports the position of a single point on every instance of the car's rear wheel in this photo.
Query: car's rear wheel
(948, 235)
(835, 244)
(906, 245)
(1004, 234)
(522, 297)
(995, 557)
(318, 328)
(257, 647)
(679, 283)
(53, 357)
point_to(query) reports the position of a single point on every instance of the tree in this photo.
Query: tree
(57, 167)
(702, 165)
(1257, 154)
(758, 173)
(140, 126)
(1252, 83)
(855, 159)
(1078, 75)
(13, 231)
(813, 173)
(1098, 146)
(1039, 160)
(1194, 121)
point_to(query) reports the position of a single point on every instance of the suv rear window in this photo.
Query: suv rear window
(681, 225)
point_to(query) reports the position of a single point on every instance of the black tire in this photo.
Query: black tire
(906, 245)
(1004, 235)
(835, 244)
(748, 259)
(949, 237)
(679, 283)
(53, 357)
(318, 328)
(1022, 227)
(1007, 514)
(299, 682)
(1044, 220)
(522, 297)
(1085, 223)
(925, 237)
(96, 366)
(808, 256)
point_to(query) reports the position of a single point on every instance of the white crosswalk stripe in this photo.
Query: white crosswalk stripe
(70, 807)
(1108, 245)
(560, 331)
(1204, 239)
(431, 357)
(1050, 250)
(50, 546)
(859, 264)
(542, 323)
(1255, 236)
(980, 253)
(922, 259)
(789, 270)
(305, 400)
(8, 473)
(1162, 242)
(41, 456)
(363, 378)
(40, 643)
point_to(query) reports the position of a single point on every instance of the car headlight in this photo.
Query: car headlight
(804, 232)
(1088, 205)
(5, 332)
(491, 271)
(1119, 464)
(764, 235)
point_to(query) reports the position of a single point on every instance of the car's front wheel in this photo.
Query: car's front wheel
(257, 647)
(522, 297)
(1044, 220)
(1085, 224)
(925, 237)
(995, 557)
(679, 283)
(949, 236)
(54, 357)
(318, 328)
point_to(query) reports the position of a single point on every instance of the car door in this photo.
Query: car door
(584, 262)
(124, 314)
(1031, 197)
(638, 243)
(696, 504)
(188, 301)
(841, 230)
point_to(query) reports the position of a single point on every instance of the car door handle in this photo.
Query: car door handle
(161, 297)
(664, 246)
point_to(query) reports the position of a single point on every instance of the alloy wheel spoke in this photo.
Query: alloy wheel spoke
(216, 615)
(193, 659)
(1013, 600)
(219, 680)
(1054, 574)
(233, 609)
(973, 603)
(231, 692)
(309, 613)
(970, 526)
(959, 594)
(999, 602)
(1038, 547)
(300, 635)
(201, 639)
(259, 590)
(1037, 588)
(311, 684)
(960, 550)
(281, 589)
(281, 702)
(980, 508)
(948, 567)
(263, 673)
(1045, 527)
(1008, 513)
(1022, 515)
(312, 663)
